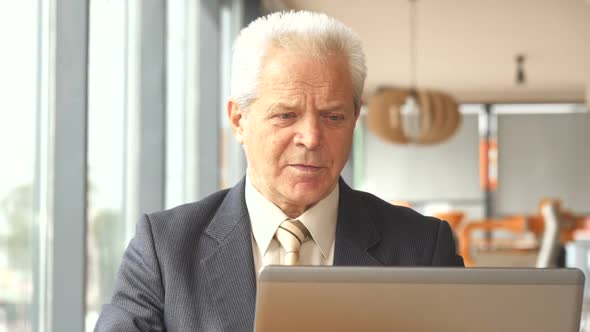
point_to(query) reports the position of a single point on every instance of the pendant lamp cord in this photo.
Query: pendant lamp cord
(413, 24)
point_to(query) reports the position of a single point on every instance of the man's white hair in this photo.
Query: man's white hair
(304, 32)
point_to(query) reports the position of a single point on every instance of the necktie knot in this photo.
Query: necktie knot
(291, 234)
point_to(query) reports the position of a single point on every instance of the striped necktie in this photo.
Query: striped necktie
(291, 234)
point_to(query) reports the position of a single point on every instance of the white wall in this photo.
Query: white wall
(543, 155)
(540, 155)
(446, 171)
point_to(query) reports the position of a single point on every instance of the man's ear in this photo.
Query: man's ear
(236, 115)
(357, 115)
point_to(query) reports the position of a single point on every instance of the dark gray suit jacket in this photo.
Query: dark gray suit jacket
(191, 268)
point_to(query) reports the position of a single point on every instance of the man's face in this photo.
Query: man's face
(298, 133)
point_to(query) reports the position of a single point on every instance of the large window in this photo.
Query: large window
(108, 100)
(82, 162)
(18, 190)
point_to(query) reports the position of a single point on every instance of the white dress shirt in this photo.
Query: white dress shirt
(266, 217)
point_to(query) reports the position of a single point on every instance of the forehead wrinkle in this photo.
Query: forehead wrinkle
(330, 100)
(301, 87)
(296, 83)
(322, 88)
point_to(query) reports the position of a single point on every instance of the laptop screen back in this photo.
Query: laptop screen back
(418, 299)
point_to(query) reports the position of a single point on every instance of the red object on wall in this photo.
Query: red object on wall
(488, 164)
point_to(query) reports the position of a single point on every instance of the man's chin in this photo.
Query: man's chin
(309, 193)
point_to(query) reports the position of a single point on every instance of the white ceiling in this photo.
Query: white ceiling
(468, 47)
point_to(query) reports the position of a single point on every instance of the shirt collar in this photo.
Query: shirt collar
(320, 220)
(266, 217)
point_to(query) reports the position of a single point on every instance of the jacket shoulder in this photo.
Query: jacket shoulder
(383, 212)
(187, 218)
(408, 237)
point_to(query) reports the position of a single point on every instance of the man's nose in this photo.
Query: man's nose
(309, 133)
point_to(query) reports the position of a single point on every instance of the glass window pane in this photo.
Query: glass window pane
(18, 119)
(177, 124)
(107, 121)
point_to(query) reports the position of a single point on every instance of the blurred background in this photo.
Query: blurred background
(476, 112)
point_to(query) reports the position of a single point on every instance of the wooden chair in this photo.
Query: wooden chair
(568, 223)
(514, 224)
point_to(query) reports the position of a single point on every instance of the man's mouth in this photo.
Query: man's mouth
(307, 168)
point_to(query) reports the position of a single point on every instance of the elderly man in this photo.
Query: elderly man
(296, 96)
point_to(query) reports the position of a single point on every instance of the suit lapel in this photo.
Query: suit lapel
(228, 263)
(355, 231)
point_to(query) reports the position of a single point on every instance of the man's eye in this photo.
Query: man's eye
(286, 116)
(336, 117)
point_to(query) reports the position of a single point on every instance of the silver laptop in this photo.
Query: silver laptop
(418, 299)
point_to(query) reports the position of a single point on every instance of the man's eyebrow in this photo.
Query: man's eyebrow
(286, 106)
(333, 107)
(283, 106)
